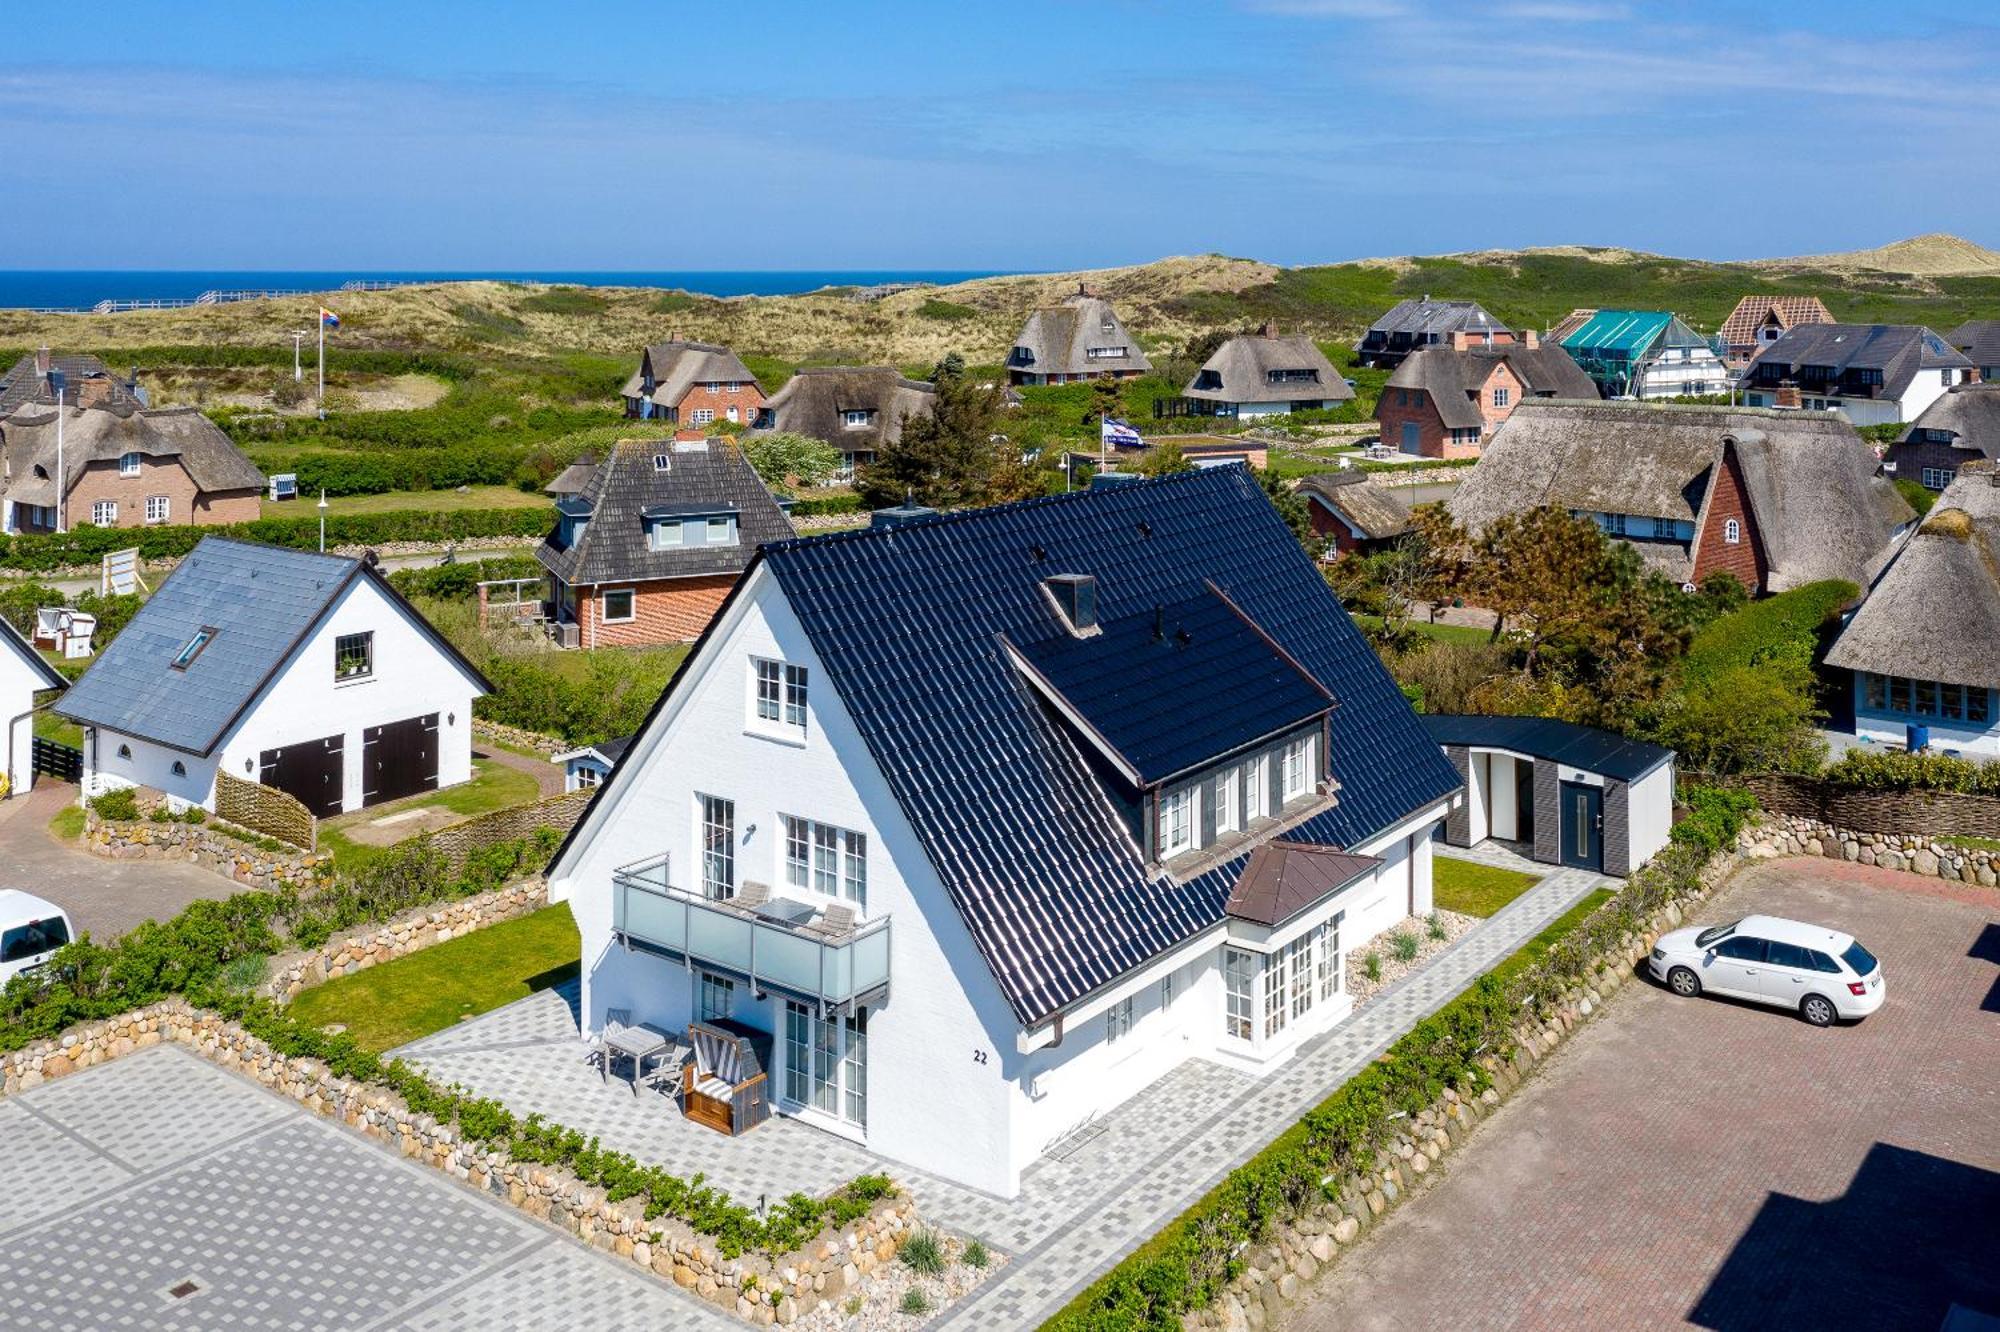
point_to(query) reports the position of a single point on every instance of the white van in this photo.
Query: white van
(31, 929)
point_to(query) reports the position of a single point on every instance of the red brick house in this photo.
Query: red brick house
(121, 465)
(1779, 499)
(694, 384)
(646, 551)
(1446, 401)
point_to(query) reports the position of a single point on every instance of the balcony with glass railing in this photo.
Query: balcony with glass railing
(778, 943)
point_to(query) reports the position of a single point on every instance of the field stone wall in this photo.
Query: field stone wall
(206, 846)
(411, 932)
(1791, 835)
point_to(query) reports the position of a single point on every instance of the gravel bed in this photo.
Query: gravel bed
(881, 1309)
(1452, 924)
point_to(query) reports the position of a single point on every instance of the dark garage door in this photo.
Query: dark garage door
(399, 759)
(311, 770)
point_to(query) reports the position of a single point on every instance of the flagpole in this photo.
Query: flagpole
(322, 365)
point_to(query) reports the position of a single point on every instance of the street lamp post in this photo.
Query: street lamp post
(322, 520)
(298, 341)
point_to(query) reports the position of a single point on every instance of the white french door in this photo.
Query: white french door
(826, 1063)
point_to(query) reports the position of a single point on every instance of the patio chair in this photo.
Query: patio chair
(836, 921)
(752, 895)
(598, 1054)
(723, 1084)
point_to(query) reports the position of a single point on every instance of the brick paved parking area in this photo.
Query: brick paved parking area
(161, 1192)
(1715, 1164)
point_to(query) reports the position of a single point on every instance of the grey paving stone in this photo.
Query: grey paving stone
(157, 1106)
(47, 1169)
(563, 1285)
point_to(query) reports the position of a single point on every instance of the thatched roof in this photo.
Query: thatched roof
(1057, 340)
(1935, 615)
(1453, 378)
(108, 432)
(1979, 339)
(1374, 509)
(1242, 370)
(1819, 505)
(1969, 413)
(815, 402)
(677, 366)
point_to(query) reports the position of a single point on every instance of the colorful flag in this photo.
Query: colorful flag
(328, 317)
(1118, 435)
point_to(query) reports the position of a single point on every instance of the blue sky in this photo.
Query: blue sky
(1038, 134)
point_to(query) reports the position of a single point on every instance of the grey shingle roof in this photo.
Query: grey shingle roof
(259, 601)
(575, 478)
(712, 479)
(1899, 351)
(1243, 366)
(813, 400)
(1935, 614)
(106, 432)
(1820, 507)
(1423, 315)
(1453, 378)
(1979, 339)
(679, 365)
(1058, 340)
(21, 385)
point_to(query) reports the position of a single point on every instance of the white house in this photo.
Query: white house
(586, 766)
(23, 674)
(1873, 374)
(990, 819)
(1567, 794)
(303, 671)
(1265, 374)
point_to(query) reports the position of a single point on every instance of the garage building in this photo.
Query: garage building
(303, 671)
(1561, 793)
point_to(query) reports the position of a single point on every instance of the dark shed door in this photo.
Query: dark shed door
(312, 771)
(399, 759)
(1583, 826)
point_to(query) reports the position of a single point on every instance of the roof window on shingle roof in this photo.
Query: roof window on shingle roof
(202, 637)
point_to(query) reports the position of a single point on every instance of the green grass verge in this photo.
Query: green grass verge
(1444, 633)
(67, 825)
(472, 497)
(1970, 843)
(395, 1003)
(1531, 951)
(493, 786)
(48, 726)
(1473, 889)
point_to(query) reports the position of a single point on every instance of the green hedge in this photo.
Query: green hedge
(1791, 622)
(461, 580)
(87, 545)
(338, 359)
(377, 472)
(1185, 1266)
(828, 504)
(1897, 770)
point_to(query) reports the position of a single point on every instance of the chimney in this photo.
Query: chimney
(1530, 339)
(1268, 329)
(1786, 396)
(1458, 339)
(909, 511)
(92, 391)
(42, 362)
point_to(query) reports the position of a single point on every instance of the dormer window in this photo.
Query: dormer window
(128, 464)
(662, 463)
(1177, 822)
(202, 638)
(857, 418)
(1296, 774)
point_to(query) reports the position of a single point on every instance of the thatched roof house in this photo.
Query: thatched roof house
(856, 409)
(1922, 645)
(692, 384)
(123, 465)
(1776, 498)
(1354, 509)
(1961, 427)
(1266, 373)
(1082, 338)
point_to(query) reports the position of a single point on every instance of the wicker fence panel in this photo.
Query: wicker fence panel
(264, 809)
(505, 825)
(1935, 813)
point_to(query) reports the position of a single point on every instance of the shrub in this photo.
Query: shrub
(121, 805)
(1714, 817)
(1371, 965)
(915, 1301)
(1434, 926)
(922, 1253)
(1405, 945)
(829, 504)
(949, 311)
(1898, 770)
(975, 1253)
(461, 580)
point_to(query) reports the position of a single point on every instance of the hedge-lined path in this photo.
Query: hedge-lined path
(159, 1168)
(106, 897)
(1187, 1154)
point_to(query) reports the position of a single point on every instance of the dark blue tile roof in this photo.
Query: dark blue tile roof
(1124, 681)
(1583, 747)
(909, 622)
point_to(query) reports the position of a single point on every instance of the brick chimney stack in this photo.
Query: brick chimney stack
(1786, 396)
(42, 362)
(1458, 339)
(1530, 339)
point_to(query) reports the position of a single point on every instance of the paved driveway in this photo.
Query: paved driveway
(1724, 1165)
(160, 1172)
(106, 897)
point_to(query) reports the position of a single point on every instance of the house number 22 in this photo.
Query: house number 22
(979, 1056)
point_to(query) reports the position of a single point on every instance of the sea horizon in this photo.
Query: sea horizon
(83, 288)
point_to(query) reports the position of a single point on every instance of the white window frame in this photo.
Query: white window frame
(130, 464)
(1118, 1021)
(587, 776)
(1937, 478)
(1500, 396)
(1296, 774)
(1239, 994)
(715, 845)
(856, 418)
(1257, 789)
(824, 859)
(720, 530)
(1229, 801)
(1732, 532)
(1179, 819)
(158, 508)
(604, 595)
(104, 513)
(702, 415)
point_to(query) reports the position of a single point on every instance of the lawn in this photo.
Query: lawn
(67, 825)
(493, 786)
(441, 501)
(396, 1002)
(1970, 843)
(1444, 633)
(1531, 951)
(1474, 889)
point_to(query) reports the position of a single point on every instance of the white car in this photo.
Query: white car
(1820, 974)
(31, 930)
